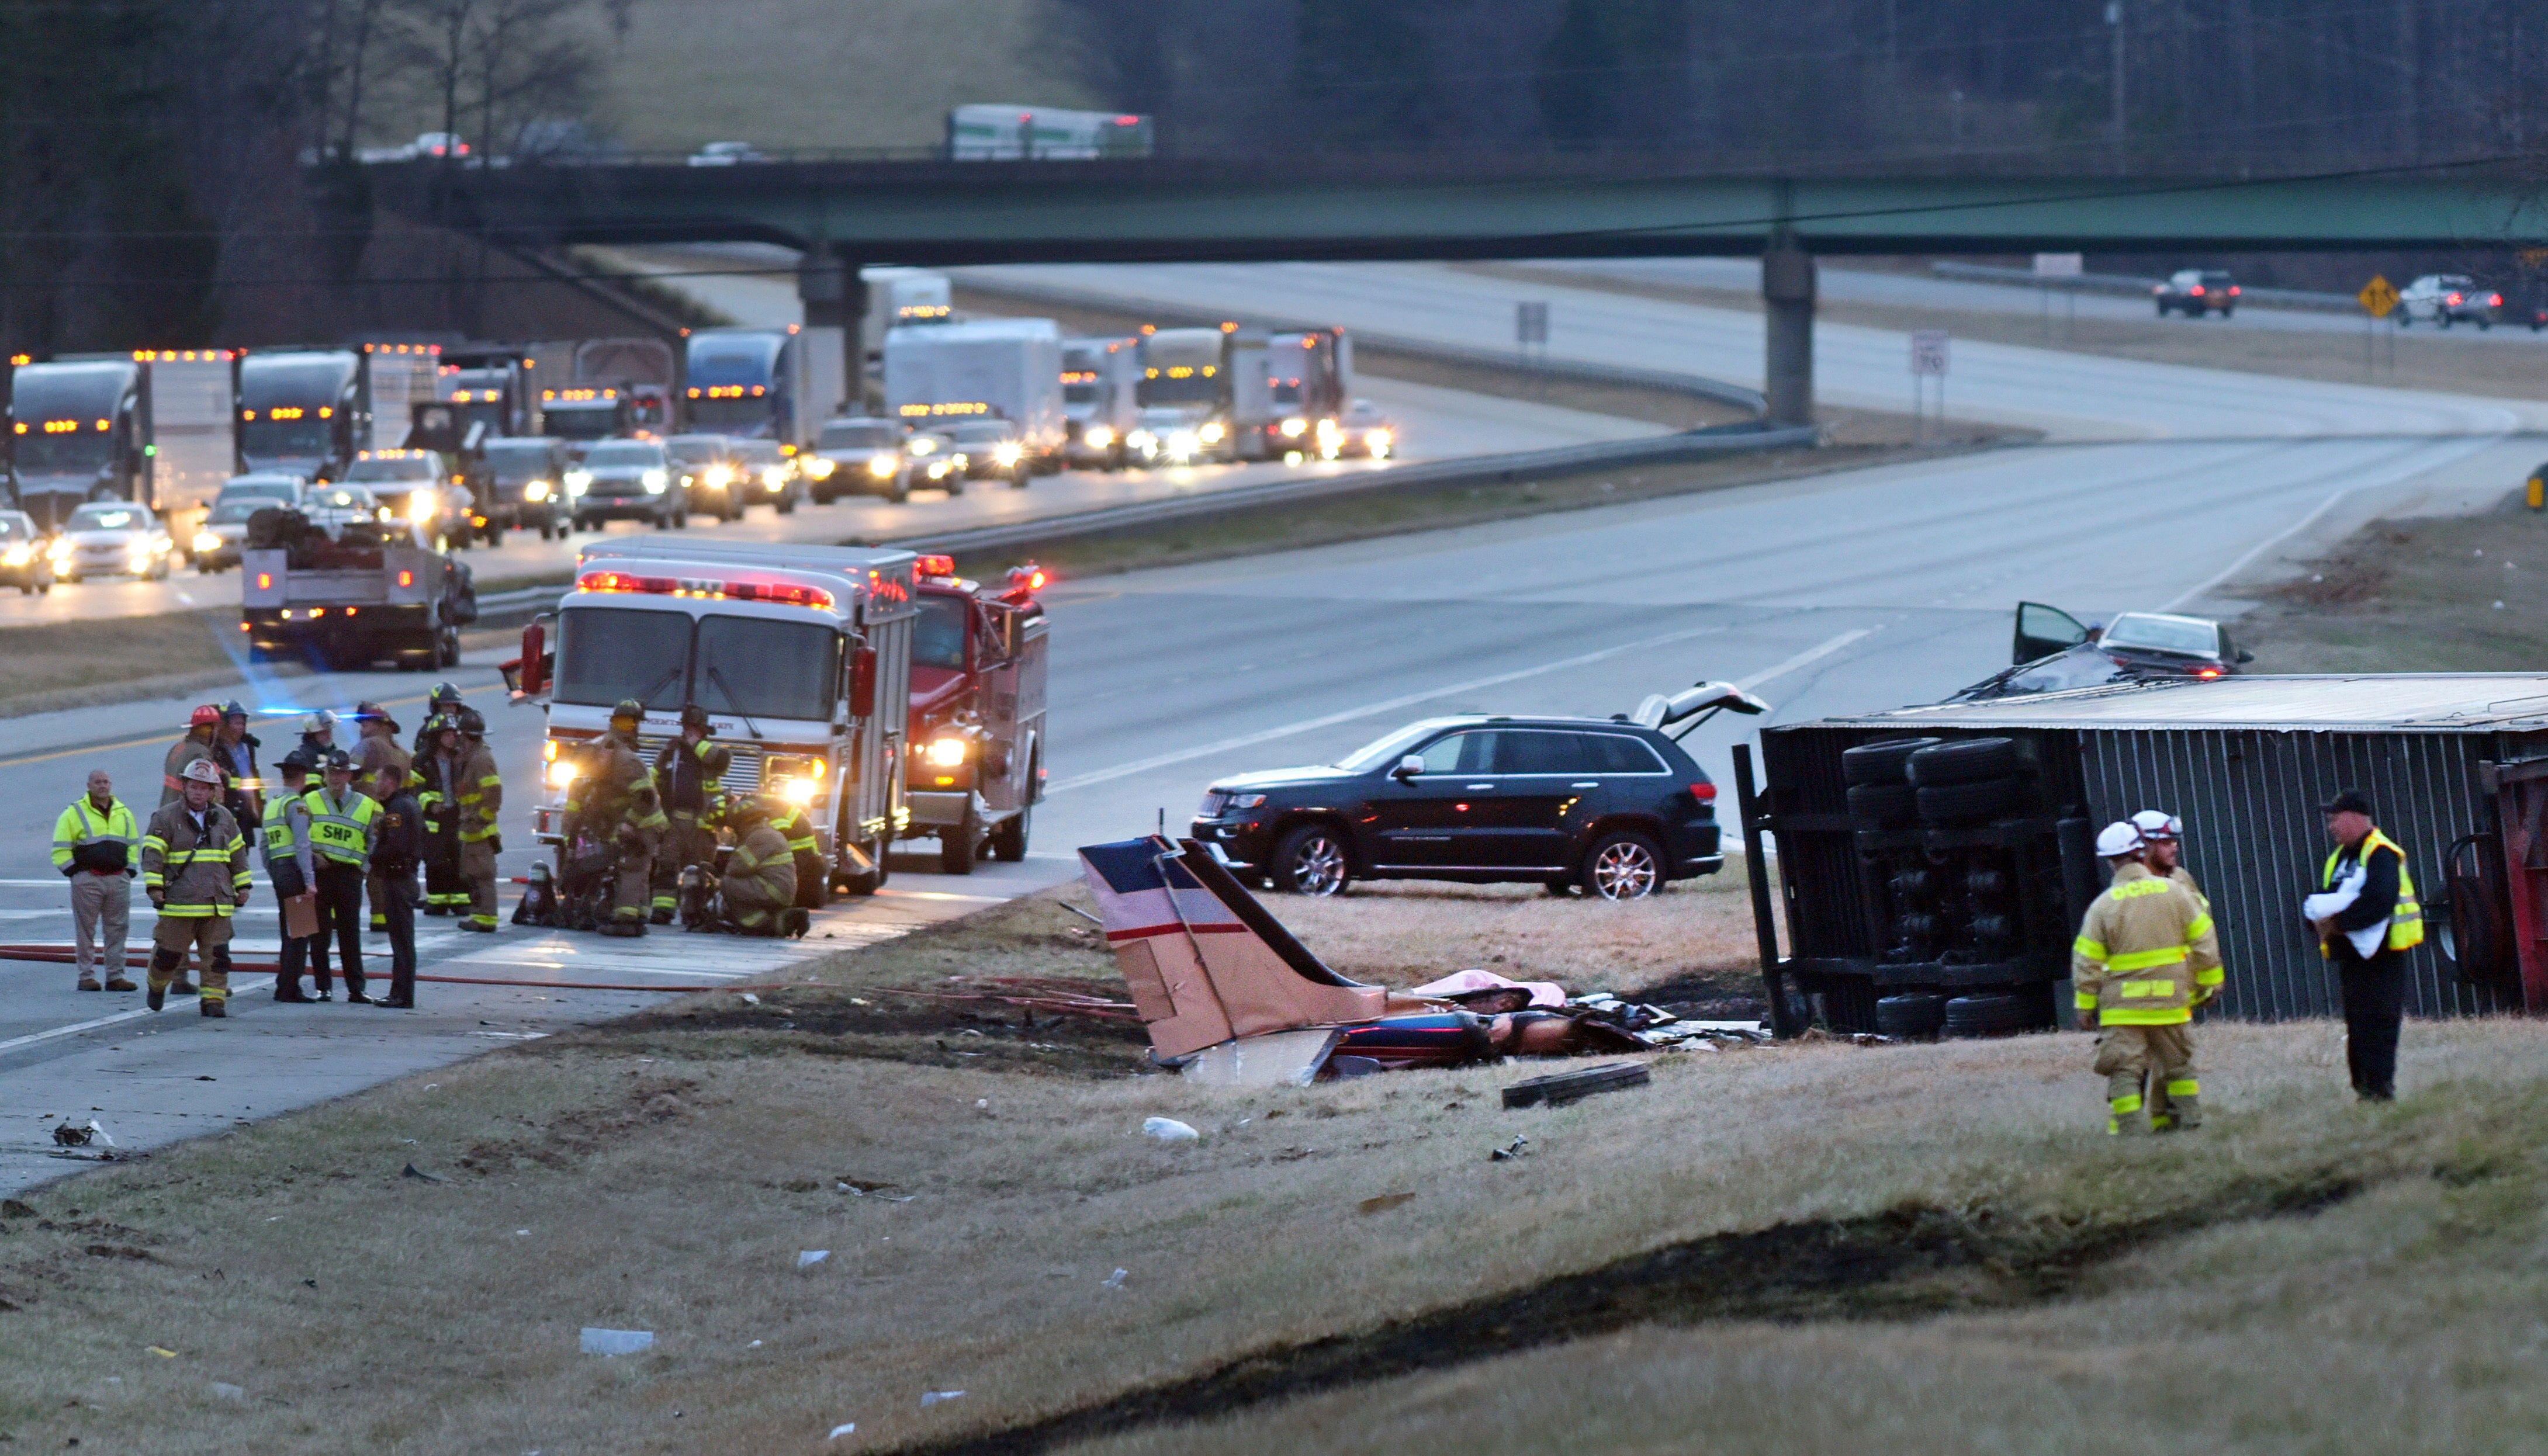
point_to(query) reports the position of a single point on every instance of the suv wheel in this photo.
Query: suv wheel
(1623, 866)
(1313, 861)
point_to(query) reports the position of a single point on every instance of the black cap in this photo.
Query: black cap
(2346, 801)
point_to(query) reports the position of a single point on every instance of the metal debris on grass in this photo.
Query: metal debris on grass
(809, 1256)
(607, 1342)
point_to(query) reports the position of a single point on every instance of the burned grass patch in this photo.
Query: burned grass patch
(571, 1136)
(1909, 1261)
(955, 1022)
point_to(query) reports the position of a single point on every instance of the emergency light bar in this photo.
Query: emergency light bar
(934, 566)
(784, 593)
(1025, 581)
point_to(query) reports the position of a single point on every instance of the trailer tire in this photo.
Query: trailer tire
(1880, 762)
(958, 843)
(1881, 806)
(1964, 803)
(1916, 1017)
(1008, 841)
(1997, 1015)
(1965, 761)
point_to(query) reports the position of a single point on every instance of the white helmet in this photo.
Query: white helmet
(2118, 839)
(2159, 824)
(317, 724)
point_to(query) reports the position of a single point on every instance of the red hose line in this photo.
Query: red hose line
(64, 955)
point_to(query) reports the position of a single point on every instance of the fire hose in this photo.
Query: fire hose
(64, 955)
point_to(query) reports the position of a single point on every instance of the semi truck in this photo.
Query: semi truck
(1309, 380)
(153, 426)
(370, 591)
(309, 411)
(999, 368)
(1101, 398)
(1004, 131)
(1217, 380)
(977, 712)
(619, 387)
(801, 656)
(763, 384)
(898, 297)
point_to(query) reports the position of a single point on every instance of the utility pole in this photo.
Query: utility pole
(2115, 23)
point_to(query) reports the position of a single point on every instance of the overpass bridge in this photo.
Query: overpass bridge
(847, 213)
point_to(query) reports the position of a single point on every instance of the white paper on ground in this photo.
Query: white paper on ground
(598, 1341)
(1275, 1060)
(807, 1256)
(1169, 1129)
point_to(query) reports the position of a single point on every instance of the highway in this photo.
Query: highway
(1842, 592)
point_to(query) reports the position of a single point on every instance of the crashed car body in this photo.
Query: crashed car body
(2054, 651)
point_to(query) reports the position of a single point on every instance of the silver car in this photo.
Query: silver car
(113, 538)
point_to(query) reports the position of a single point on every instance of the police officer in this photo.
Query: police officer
(94, 842)
(344, 822)
(758, 887)
(291, 866)
(394, 860)
(195, 747)
(2367, 919)
(194, 867)
(376, 749)
(612, 802)
(2146, 956)
(235, 749)
(688, 775)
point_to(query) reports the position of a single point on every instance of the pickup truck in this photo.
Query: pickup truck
(370, 591)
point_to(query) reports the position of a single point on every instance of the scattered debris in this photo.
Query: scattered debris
(755, 1345)
(162, 1353)
(599, 1341)
(1384, 1202)
(1486, 993)
(209, 1080)
(1510, 1150)
(93, 1135)
(223, 1390)
(1275, 1060)
(1113, 1280)
(521, 1234)
(931, 1397)
(855, 1188)
(751, 999)
(840, 1430)
(413, 1171)
(11, 1208)
(1169, 1129)
(1561, 1088)
(1058, 995)
(806, 1256)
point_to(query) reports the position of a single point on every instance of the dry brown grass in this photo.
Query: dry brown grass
(2415, 595)
(667, 1177)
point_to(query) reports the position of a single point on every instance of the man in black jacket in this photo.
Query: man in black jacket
(2367, 937)
(394, 858)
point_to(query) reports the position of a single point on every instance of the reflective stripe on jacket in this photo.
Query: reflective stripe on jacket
(2147, 952)
(287, 832)
(2407, 920)
(760, 877)
(343, 833)
(197, 876)
(172, 772)
(81, 826)
(459, 790)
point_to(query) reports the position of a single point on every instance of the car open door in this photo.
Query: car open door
(2042, 631)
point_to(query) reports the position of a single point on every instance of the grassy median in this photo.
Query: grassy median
(2428, 595)
(1810, 1247)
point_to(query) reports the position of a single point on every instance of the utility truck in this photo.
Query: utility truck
(801, 656)
(364, 591)
(998, 368)
(977, 712)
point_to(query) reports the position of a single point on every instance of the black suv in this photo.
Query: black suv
(1606, 804)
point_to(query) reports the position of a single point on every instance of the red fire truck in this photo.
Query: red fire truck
(977, 705)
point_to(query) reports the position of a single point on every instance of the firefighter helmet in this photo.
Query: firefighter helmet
(204, 771)
(628, 707)
(206, 715)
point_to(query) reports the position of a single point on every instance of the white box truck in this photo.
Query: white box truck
(1004, 368)
(1101, 394)
(996, 130)
(901, 295)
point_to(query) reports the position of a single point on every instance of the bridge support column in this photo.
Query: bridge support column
(829, 288)
(1787, 299)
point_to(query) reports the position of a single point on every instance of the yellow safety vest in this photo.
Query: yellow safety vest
(78, 828)
(345, 837)
(2406, 921)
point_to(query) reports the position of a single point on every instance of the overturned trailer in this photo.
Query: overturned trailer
(1907, 894)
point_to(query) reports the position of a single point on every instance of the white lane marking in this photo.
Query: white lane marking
(2259, 549)
(240, 987)
(1329, 720)
(1810, 655)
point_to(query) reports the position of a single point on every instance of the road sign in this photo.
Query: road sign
(2060, 265)
(1929, 352)
(2377, 296)
(1530, 322)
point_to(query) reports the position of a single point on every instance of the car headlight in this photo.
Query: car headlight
(938, 468)
(1097, 437)
(421, 505)
(204, 541)
(923, 446)
(536, 490)
(1379, 439)
(577, 481)
(562, 772)
(1212, 432)
(24, 551)
(656, 482)
(775, 478)
(1329, 431)
(719, 477)
(61, 549)
(1183, 443)
(1008, 453)
(881, 466)
(1142, 439)
(947, 753)
(820, 468)
(1295, 427)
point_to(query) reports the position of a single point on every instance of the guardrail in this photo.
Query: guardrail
(1741, 396)
(2124, 283)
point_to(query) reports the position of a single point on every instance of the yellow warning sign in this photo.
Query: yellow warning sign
(2377, 296)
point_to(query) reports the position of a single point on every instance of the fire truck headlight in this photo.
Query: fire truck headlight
(561, 773)
(1212, 432)
(800, 791)
(1097, 437)
(947, 753)
(1295, 427)
(421, 505)
(536, 490)
(881, 466)
(820, 467)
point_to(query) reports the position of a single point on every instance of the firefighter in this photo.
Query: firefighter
(194, 867)
(795, 823)
(2146, 956)
(196, 744)
(612, 802)
(318, 736)
(460, 792)
(445, 699)
(392, 875)
(234, 749)
(758, 887)
(343, 823)
(688, 775)
(291, 867)
(94, 842)
(376, 750)
(2367, 919)
(2163, 849)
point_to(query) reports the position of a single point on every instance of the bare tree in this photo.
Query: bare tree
(526, 55)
